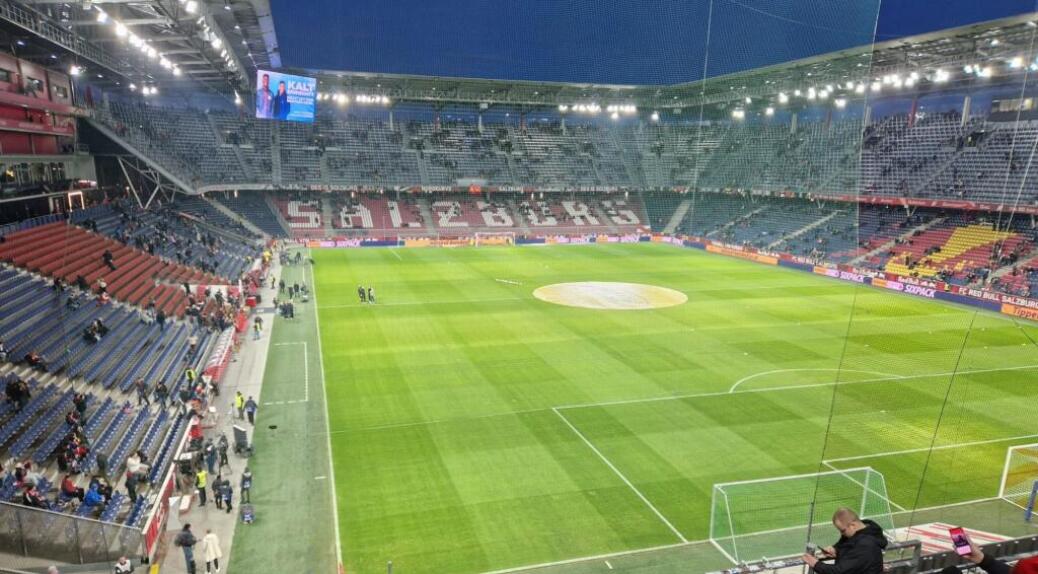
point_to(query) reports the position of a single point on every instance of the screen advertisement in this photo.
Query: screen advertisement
(285, 97)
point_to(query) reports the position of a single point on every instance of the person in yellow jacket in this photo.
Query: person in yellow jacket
(201, 478)
(239, 405)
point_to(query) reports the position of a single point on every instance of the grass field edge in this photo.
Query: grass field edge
(327, 419)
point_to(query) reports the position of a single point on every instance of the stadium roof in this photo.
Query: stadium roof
(993, 44)
(182, 44)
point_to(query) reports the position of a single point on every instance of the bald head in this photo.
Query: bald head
(847, 521)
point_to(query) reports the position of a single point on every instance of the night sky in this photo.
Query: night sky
(599, 41)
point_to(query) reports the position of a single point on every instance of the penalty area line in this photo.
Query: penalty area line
(616, 471)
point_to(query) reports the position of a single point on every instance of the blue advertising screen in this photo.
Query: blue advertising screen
(285, 97)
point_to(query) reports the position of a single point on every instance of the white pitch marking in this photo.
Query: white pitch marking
(755, 375)
(508, 281)
(322, 477)
(622, 477)
(608, 565)
(792, 387)
(327, 418)
(411, 303)
(395, 254)
(927, 448)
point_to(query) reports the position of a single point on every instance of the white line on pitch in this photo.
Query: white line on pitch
(608, 565)
(595, 557)
(927, 448)
(622, 477)
(327, 420)
(761, 374)
(411, 303)
(792, 387)
(322, 477)
(395, 254)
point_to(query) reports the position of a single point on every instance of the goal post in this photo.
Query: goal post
(485, 238)
(1019, 485)
(775, 517)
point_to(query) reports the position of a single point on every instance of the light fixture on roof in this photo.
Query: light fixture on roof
(749, 100)
(811, 93)
(191, 6)
(102, 16)
(783, 98)
(769, 111)
(614, 116)
(227, 5)
(133, 87)
(216, 43)
(796, 93)
(859, 89)
(75, 70)
(995, 42)
(909, 82)
(563, 108)
(1016, 63)
(19, 42)
(940, 76)
(967, 69)
(120, 29)
(655, 116)
(840, 103)
(849, 85)
(876, 87)
(738, 114)
(823, 94)
(176, 70)
(985, 72)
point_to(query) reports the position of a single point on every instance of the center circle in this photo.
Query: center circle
(609, 295)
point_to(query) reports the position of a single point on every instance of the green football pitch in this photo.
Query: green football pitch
(473, 427)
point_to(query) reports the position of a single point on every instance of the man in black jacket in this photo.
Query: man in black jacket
(859, 550)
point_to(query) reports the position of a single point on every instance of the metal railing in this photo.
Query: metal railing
(65, 538)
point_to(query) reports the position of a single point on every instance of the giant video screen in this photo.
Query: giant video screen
(285, 97)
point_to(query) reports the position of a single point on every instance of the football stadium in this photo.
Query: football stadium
(707, 286)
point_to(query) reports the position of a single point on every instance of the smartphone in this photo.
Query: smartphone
(960, 541)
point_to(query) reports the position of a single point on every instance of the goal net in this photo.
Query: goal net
(1020, 477)
(774, 517)
(494, 238)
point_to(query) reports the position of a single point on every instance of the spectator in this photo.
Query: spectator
(246, 485)
(250, 410)
(123, 566)
(93, 496)
(239, 404)
(211, 549)
(32, 497)
(108, 259)
(69, 488)
(162, 394)
(36, 361)
(142, 392)
(186, 541)
(227, 494)
(858, 551)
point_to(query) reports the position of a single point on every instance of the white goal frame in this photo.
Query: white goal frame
(867, 490)
(1006, 468)
(479, 236)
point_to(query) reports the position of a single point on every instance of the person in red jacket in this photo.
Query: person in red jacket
(69, 488)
